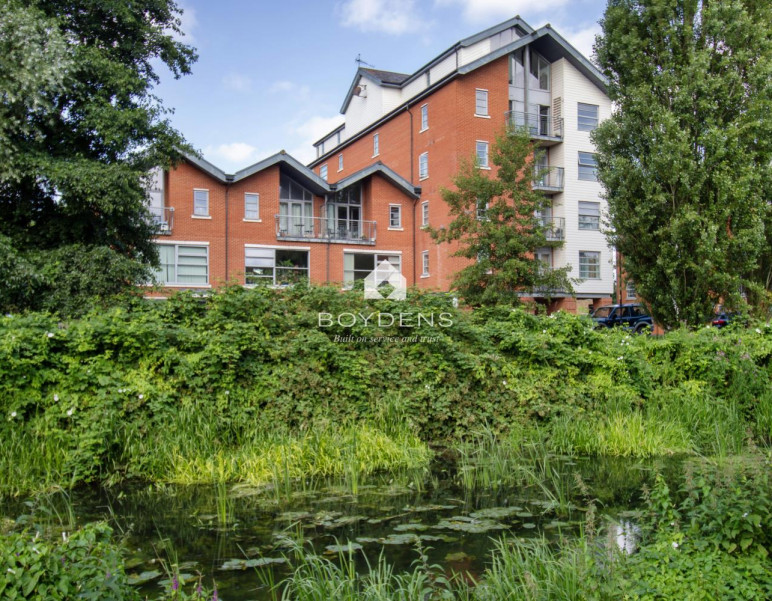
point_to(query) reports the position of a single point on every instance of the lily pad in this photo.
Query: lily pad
(244, 564)
(143, 578)
(495, 513)
(411, 527)
(529, 525)
(423, 508)
(472, 527)
(343, 548)
(407, 538)
(458, 557)
(293, 516)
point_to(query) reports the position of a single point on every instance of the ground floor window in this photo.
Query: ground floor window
(357, 266)
(183, 264)
(589, 265)
(275, 266)
(631, 290)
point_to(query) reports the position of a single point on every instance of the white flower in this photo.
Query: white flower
(745, 515)
(140, 396)
(10, 571)
(69, 412)
(120, 391)
(504, 382)
(758, 331)
(50, 334)
(56, 398)
(675, 545)
(13, 414)
(227, 392)
(620, 358)
(544, 331)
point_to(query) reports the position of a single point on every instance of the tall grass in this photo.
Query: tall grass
(32, 461)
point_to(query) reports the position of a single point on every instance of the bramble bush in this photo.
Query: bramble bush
(77, 396)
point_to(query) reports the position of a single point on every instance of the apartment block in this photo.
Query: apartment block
(376, 180)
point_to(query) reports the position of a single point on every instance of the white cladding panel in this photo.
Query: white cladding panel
(572, 88)
(472, 53)
(363, 109)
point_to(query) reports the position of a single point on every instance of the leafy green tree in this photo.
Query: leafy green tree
(80, 127)
(496, 225)
(685, 159)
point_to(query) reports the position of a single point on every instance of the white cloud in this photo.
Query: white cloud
(309, 131)
(581, 39)
(387, 16)
(233, 156)
(480, 11)
(237, 82)
(290, 90)
(188, 24)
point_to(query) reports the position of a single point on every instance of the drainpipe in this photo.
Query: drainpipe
(412, 181)
(526, 75)
(227, 229)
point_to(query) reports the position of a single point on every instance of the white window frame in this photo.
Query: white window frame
(197, 214)
(586, 215)
(263, 247)
(425, 264)
(630, 292)
(425, 213)
(378, 256)
(581, 165)
(482, 145)
(376, 144)
(423, 165)
(176, 283)
(256, 216)
(584, 122)
(480, 99)
(398, 226)
(586, 264)
(424, 117)
(323, 172)
(340, 162)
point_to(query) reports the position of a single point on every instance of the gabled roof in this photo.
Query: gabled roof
(386, 172)
(550, 44)
(400, 80)
(305, 176)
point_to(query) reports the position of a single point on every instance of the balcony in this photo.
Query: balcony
(324, 229)
(542, 128)
(548, 179)
(163, 219)
(554, 228)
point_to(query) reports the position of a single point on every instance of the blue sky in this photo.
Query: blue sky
(272, 75)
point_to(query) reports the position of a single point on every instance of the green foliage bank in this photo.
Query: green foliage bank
(194, 389)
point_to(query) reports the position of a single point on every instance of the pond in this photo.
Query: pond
(227, 532)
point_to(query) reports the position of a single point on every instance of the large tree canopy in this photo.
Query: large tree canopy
(685, 159)
(79, 129)
(496, 225)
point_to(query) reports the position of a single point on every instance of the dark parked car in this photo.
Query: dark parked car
(631, 316)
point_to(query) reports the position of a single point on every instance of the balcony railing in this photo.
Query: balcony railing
(324, 229)
(540, 127)
(163, 219)
(549, 179)
(554, 228)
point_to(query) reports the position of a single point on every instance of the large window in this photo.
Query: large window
(183, 264)
(251, 206)
(357, 266)
(589, 265)
(588, 116)
(481, 103)
(540, 72)
(589, 215)
(201, 203)
(588, 167)
(296, 209)
(482, 154)
(424, 117)
(274, 266)
(516, 69)
(423, 165)
(344, 213)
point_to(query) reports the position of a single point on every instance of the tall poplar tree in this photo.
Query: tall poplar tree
(496, 226)
(685, 159)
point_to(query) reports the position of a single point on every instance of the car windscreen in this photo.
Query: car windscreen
(602, 312)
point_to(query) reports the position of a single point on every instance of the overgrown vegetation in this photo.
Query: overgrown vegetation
(202, 389)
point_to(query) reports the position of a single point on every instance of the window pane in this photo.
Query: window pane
(424, 117)
(588, 167)
(588, 116)
(395, 216)
(481, 102)
(482, 154)
(201, 202)
(251, 206)
(589, 265)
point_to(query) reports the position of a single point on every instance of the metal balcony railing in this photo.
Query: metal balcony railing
(163, 219)
(325, 229)
(538, 126)
(549, 179)
(554, 228)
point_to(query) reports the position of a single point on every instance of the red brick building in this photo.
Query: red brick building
(377, 178)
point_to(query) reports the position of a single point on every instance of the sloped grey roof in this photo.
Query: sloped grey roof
(387, 77)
